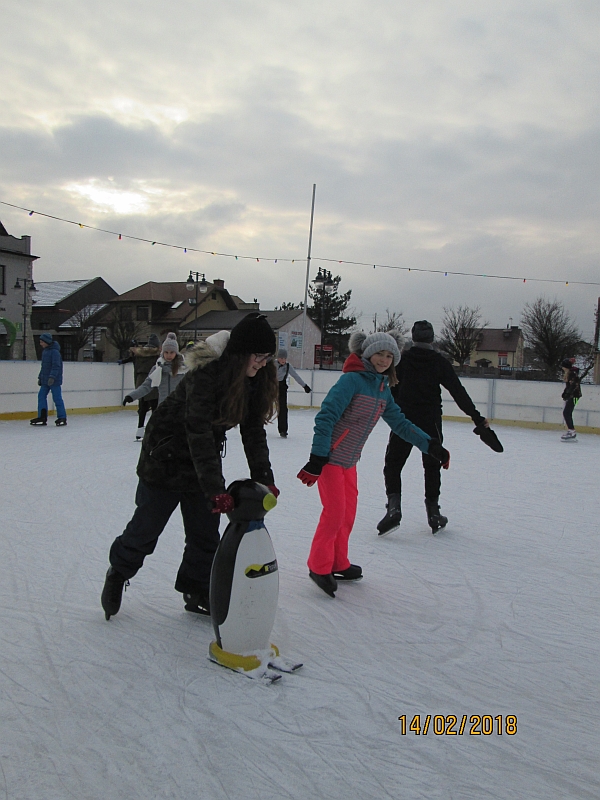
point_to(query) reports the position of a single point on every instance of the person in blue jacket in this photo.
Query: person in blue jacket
(348, 414)
(50, 380)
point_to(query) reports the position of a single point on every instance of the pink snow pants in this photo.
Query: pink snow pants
(339, 494)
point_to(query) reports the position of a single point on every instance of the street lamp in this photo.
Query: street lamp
(28, 288)
(327, 286)
(200, 283)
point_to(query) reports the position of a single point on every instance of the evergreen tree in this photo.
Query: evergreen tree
(329, 310)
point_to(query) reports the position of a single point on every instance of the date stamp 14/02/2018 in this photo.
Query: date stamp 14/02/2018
(465, 725)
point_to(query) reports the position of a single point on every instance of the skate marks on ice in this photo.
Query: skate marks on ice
(498, 616)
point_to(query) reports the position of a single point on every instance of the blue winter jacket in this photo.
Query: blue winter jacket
(52, 365)
(350, 411)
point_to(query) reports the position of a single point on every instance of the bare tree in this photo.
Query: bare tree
(394, 321)
(121, 329)
(551, 334)
(82, 326)
(461, 329)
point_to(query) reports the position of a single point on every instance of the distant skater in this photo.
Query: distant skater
(164, 377)
(348, 414)
(50, 380)
(284, 370)
(144, 357)
(571, 394)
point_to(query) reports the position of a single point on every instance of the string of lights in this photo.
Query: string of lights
(444, 272)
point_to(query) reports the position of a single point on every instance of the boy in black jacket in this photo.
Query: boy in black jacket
(422, 372)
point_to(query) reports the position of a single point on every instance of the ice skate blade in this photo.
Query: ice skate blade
(390, 530)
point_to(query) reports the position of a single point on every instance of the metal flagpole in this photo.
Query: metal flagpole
(312, 216)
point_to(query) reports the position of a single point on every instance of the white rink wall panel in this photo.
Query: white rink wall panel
(104, 385)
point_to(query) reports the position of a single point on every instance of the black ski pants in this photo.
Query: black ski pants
(154, 508)
(144, 406)
(568, 413)
(282, 414)
(398, 451)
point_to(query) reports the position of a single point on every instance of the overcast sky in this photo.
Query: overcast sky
(444, 136)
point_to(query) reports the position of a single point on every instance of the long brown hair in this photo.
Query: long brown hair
(232, 390)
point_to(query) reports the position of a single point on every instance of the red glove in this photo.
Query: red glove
(273, 489)
(222, 503)
(309, 474)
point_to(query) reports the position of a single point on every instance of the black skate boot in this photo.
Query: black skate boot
(435, 519)
(41, 420)
(60, 421)
(112, 592)
(197, 603)
(326, 582)
(351, 573)
(393, 516)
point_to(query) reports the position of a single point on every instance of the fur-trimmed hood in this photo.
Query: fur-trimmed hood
(206, 351)
(144, 351)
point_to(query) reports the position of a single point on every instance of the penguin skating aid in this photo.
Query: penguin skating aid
(244, 589)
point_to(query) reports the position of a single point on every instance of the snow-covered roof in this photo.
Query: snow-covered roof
(84, 314)
(49, 293)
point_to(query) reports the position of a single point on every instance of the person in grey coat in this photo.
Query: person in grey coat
(165, 375)
(283, 371)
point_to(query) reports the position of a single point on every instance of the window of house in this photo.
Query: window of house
(2, 279)
(44, 326)
(503, 359)
(143, 313)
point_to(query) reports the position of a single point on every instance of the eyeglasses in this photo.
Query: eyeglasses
(266, 357)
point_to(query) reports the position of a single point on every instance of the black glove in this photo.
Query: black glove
(437, 451)
(127, 399)
(310, 472)
(50, 381)
(307, 389)
(39, 381)
(488, 437)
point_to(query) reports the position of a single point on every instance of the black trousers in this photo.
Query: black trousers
(568, 414)
(154, 508)
(398, 451)
(144, 406)
(282, 414)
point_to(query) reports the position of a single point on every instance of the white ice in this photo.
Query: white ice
(496, 615)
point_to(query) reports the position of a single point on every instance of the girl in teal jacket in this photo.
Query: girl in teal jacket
(348, 415)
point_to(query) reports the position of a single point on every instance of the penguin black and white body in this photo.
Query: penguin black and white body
(244, 583)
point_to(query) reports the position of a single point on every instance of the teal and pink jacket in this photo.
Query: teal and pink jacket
(350, 412)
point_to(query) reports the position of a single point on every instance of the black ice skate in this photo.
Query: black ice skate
(393, 516)
(352, 573)
(197, 603)
(326, 582)
(41, 420)
(60, 421)
(112, 592)
(435, 519)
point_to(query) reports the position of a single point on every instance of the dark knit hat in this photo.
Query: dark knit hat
(567, 363)
(252, 335)
(422, 331)
(153, 340)
(46, 337)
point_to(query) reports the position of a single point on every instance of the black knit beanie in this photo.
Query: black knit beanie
(422, 331)
(252, 335)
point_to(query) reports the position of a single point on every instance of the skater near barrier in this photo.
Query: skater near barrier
(164, 376)
(144, 357)
(231, 381)
(571, 394)
(419, 377)
(283, 371)
(50, 380)
(347, 417)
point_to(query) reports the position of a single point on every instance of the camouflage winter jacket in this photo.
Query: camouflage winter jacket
(181, 449)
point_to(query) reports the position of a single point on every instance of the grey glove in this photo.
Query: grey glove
(50, 381)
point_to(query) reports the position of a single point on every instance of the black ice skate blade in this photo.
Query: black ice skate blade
(324, 583)
(389, 530)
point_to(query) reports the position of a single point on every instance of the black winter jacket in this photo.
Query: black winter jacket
(181, 450)
(421, 374)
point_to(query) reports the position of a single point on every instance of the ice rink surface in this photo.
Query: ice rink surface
(496, 615)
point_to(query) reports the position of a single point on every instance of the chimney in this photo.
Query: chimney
(218, 283)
